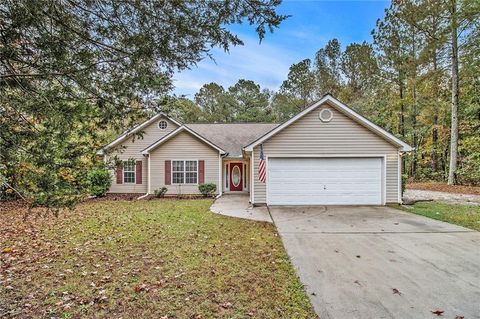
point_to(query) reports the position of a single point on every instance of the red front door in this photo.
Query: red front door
(236, 173)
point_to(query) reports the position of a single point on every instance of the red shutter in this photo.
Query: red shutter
(119, 173)
(201, 172)
(168, 172)
(138, 172)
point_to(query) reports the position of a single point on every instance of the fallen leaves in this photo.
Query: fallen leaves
(122, 259)
(226, 305)
(140, 288)
(440, 187)
(437, 312)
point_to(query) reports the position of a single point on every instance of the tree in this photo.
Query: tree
(454, 21)
(215, 103)
(327, 69)
(284, 106)
(360, 69)
(452, 171)
(71, 70)
(300, 82)
(251, 104)
(184, 110)
(389, 42)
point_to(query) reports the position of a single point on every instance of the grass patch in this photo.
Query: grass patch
(149, 259)
(463, 215)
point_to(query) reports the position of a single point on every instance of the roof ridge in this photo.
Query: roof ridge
(206, 123)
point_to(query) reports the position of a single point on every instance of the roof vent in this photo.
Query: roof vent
(325, 115)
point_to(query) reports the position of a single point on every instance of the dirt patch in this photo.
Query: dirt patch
(441, 187)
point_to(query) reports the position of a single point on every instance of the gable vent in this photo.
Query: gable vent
(325, 115)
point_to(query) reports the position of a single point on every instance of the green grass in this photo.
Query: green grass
(463, 215)
(147, 259)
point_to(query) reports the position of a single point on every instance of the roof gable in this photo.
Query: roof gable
(175, 133)
(343, 109)
(130, 132)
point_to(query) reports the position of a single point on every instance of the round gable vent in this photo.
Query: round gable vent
(325, 115)
(162, 124)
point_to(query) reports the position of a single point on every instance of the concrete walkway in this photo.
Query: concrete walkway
(237, 205)
(412, 195)
(379, 262)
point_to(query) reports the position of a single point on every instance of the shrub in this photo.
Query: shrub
(160, 192)
(99, 180)
(207, 189)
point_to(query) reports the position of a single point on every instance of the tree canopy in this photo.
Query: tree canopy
(73, 71)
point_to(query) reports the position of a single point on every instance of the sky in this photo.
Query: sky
(311, 25)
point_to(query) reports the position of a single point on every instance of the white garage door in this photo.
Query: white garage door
(324, 181)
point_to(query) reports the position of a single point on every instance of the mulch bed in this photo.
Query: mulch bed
(440, 187)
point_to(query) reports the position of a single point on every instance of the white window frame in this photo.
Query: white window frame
(227, 176)
(134, 163)
(184, 171)
(245, 181)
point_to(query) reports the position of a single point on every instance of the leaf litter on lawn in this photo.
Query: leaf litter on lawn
(145, 258)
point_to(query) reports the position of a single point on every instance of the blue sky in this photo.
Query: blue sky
(311, 25)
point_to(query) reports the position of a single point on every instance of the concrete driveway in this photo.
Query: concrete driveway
(380, 262)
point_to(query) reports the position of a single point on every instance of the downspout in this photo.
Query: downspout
(400, 175)
(220, 175)
(148, 177)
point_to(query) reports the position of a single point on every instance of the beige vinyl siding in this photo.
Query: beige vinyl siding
(309, 136)
(183, 146)
(134, 146)
(392, 178)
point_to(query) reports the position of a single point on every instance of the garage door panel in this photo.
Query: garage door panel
(302, 188)
(324, 181)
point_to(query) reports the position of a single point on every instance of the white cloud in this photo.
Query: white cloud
(264, 63)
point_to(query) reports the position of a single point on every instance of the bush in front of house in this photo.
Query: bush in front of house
(99, 180)
(160, 192)
(207, 189)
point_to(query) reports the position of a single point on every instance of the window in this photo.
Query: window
(245, 176)
(227, 184)
(162, 124)
(184, 172)
(129, 172)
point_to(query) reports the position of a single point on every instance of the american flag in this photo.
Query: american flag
(262, 171)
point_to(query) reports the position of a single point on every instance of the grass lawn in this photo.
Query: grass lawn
(463, 215)
(145, 259)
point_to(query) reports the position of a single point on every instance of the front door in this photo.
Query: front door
(236, 176)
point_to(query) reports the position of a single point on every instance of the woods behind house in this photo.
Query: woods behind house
(419, 78)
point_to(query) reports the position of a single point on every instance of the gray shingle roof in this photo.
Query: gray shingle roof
(232, 137)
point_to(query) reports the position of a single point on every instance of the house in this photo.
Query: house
(325, 155)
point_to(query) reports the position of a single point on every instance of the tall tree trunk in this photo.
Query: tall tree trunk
(414, 129)
(455, 93)
(402, 108)
(414, 106)
(402, 116)
(434, 159)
